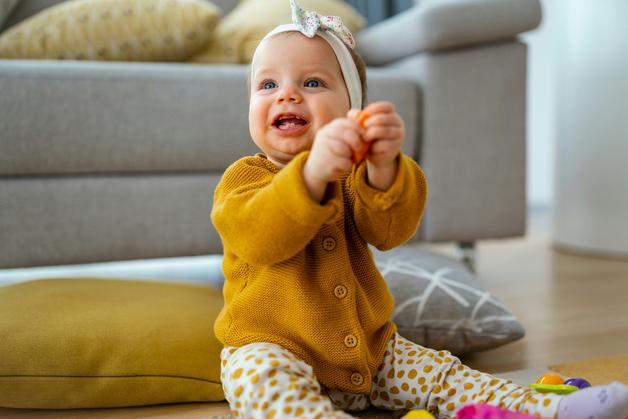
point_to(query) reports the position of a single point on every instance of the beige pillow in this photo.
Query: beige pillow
(238, 34)
(119, 30)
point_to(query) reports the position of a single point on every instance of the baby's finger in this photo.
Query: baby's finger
(340, 148)
(379, 107)
(339, 158)
(347, 123)
(383, 133)
(392, 119)
(353, 113)
(349, 136)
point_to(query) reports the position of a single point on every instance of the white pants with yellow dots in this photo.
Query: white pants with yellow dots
(264, 380)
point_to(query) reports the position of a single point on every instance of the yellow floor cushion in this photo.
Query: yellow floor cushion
(90, 342)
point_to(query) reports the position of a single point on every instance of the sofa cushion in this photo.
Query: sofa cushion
(119, 30)
(89, 342)
(441, 305)
(142, 117)
(239, 32)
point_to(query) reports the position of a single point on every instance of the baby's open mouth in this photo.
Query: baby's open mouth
(289, 122)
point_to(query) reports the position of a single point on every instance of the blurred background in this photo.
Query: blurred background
(577, 134)
(374, 11)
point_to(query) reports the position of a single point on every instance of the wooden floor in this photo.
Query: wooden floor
(573, 307)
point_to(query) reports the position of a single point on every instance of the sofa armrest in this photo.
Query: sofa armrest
(436, 25)
(472, 141)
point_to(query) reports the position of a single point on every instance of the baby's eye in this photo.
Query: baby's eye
(313, 83)
(269, 85)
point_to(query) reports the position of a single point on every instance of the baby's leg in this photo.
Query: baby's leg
(348, 401)
(264, 380)
(412, 376)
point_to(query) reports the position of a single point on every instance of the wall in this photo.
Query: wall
(541, 118)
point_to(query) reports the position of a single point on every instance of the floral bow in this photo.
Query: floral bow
(308, 22)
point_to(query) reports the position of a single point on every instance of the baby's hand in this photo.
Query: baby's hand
(384, 131)
(332, 150)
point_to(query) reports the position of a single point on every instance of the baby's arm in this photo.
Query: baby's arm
(266, 218)
(390, 188)
(388, 219)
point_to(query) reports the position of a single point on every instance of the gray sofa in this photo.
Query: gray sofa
(103, 161)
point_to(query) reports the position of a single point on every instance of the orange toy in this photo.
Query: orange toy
(550, 379)
(358, 155)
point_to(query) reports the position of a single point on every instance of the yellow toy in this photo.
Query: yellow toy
(419, 414)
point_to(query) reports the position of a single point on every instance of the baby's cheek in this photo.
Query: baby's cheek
(257, 117)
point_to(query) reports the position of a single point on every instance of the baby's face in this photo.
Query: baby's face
(296, 88)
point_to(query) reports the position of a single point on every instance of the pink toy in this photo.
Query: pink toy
(484, 411)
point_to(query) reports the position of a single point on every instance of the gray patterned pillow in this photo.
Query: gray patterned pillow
(441, 305)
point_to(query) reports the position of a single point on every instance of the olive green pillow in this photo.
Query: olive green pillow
(89, 342)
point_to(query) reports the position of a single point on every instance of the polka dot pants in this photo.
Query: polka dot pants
(264, 380)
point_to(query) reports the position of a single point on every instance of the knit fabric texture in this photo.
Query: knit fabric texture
(300, 274)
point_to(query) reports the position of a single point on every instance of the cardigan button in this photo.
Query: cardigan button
(357, 379)
(340, 292)
(351, 341)
(329, 243)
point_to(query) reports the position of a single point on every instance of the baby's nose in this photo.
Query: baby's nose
(289, 95)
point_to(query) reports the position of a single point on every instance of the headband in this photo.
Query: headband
(332, 30)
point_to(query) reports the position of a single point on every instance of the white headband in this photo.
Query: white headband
(331, 29)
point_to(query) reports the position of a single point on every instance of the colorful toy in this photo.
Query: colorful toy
(578, 382)
(546, 383)
(550, 379)
(554, 383)
(358, 155)
(485, 411)
(554, 388)
(419, 414)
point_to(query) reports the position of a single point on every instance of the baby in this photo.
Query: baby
(306, 324)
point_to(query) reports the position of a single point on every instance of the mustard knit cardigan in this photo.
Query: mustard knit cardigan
(299, 274)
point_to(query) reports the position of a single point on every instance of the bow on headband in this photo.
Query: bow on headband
(308, 22)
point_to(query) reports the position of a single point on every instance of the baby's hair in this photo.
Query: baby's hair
(359, 64)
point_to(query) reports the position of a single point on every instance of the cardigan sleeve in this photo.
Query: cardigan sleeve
(387, 219)
(265, 217)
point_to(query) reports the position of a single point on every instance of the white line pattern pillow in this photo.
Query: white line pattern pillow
(441, 305)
